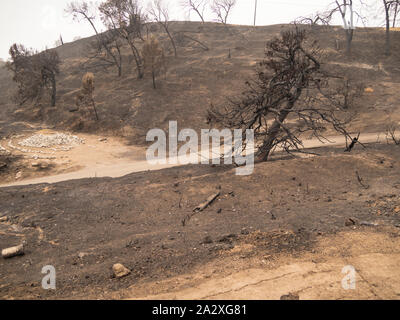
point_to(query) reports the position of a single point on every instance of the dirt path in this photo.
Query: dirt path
(314, 275)
(111, 158)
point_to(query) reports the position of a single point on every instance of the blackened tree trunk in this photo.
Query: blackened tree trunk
(395, 14)
(94, 108)
(172, 40)
(138, 60)
(349, 40)
(53, 91)
(154, 79)
(275, 129)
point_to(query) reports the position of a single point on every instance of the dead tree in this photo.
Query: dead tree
(125, 18)
(391, 134)
(159, 12)
(222, 9)
(318, 18)
(107, 48)
(154, 60)
(352, 144)
(34, 72)
(347, 12)
(197, 6)
(289, 85)
(86, 94)
(390, 7)
(395, 10)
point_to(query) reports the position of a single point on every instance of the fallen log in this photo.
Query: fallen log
(13, 251)
(360, 181)
(205, 204)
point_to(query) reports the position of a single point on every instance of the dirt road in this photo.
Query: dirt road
(114, 159)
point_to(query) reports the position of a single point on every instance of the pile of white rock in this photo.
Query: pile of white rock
(50, 140)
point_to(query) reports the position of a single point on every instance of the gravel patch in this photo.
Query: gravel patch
(50, 140)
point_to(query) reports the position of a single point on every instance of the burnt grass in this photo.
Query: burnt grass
(83, 227)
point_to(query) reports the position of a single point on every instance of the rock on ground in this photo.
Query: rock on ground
(120, 270)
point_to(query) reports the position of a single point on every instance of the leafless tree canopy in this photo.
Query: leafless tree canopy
(392, 135)
(159, 12)
(34, 72)
(125, 18)
(197, 6)
(318, 18)
(289, 85)
(107, 49)
(154, 59)
(82, 10)
(222, 9)
(347, 12)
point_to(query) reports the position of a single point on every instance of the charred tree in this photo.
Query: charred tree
(290, 96)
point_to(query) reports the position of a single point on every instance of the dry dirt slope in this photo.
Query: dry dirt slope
(197, 78)
(83, 227)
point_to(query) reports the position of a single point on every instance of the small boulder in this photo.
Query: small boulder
(207, 240)
(120, 270)
(81, 255)
(44, 165)
(290, 296)
(73, 109)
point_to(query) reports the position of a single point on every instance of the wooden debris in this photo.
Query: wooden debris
(360, 181)
(369, 224)
(201, 207)
(13, 251)
(205, 204)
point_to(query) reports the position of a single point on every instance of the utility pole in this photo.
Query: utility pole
(255, 12)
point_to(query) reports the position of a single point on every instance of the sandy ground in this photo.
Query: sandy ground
(319, 274)
(97, 156)
(111, 157)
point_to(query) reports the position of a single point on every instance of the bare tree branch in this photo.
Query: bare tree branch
(222, 9)
(197, 6)
(107, 42)
(159, 11)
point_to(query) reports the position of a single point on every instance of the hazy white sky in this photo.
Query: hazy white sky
(39, 23)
